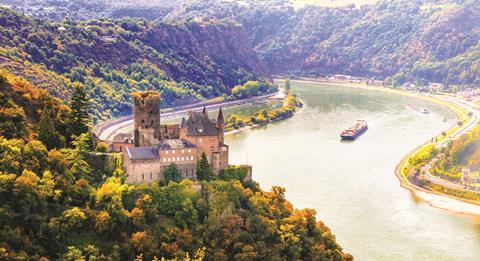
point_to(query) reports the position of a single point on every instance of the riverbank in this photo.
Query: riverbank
(238, 123)
(433, 198)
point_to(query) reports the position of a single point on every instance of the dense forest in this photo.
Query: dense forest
(63, 199)
(395, 40)
(186, 61)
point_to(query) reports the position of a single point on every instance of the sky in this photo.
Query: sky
(300, 3)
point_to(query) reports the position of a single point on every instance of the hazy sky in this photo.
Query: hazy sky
(300, 3)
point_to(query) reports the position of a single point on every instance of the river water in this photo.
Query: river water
(352, 185)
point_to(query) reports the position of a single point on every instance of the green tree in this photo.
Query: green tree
(47, 133)
(80, 167)
(80, 122)
(172, 173)
(204, 171)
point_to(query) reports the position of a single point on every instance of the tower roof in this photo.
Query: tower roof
(169, 144)
(220, 116)
(205, 111)
(184, 123)
(199, 124)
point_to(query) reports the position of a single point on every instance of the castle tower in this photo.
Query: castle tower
(220, 125)
(146, 121)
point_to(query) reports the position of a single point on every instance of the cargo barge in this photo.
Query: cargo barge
(356, 130)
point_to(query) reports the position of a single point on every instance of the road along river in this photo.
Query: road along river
(352, 185)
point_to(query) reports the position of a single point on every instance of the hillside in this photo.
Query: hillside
(421, 40)
(394, 40)
(72, 203)
(186, 61)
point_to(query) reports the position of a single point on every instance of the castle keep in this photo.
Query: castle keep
(156, 146)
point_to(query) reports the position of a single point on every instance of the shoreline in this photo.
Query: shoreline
(434, 199)
(249, 127)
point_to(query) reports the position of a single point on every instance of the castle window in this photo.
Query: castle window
(191, 157)
(189, 150)
(166, 152)
(151, 175)
(151, 123)
(143, 176)
(143, 121)
(178, 158)
(173, 151)
(151, 112)
(168, 159)
(173, 159)
(200, 140)
(183, 158)
(183, 151)
(164, 159)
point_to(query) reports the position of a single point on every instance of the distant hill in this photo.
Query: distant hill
(422, 40)
(185, 60)
(394, 40)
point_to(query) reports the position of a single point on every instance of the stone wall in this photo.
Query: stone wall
(142, 171)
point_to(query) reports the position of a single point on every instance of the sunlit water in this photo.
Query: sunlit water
(352, 185)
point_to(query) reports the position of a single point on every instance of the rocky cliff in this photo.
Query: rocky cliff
(185, 60)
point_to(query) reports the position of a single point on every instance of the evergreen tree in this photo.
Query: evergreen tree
(80, 122)
(204, 171)
(172, 173)
(79, 166)
(47, 133)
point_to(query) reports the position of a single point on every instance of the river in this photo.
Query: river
(352, 185)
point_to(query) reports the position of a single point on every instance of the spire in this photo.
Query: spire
(205, 111)
(184, 123)
(220, 119)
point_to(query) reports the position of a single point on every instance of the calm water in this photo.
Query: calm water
(352, 185)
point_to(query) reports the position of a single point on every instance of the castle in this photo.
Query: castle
(156, 146)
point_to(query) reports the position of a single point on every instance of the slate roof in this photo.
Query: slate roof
(199, 124)
(169, 144)
(123, 137)
(143, 153)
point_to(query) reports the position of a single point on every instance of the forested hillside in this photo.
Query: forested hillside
(395, 40)
(63, 200)
(186, 61)
(421, 40)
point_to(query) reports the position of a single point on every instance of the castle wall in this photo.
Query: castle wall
(169, 131)
(185, 159)
(142, 171)
(207, 144)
